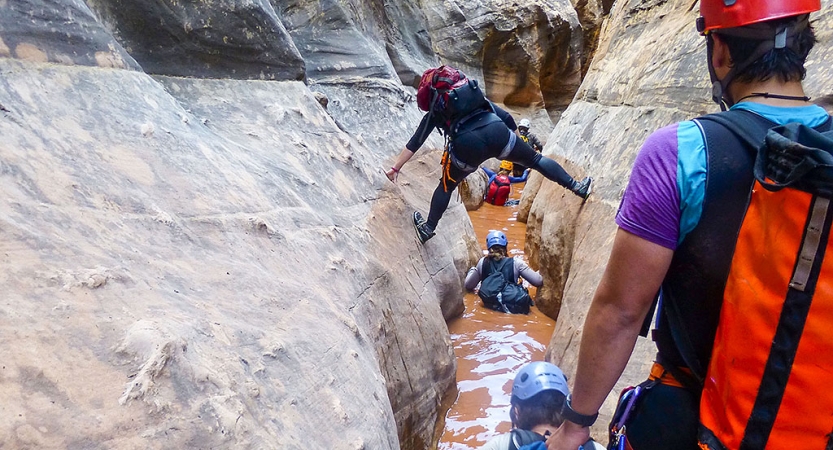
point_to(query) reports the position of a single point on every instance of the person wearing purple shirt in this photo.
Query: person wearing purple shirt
(659, 221)
(664, 197)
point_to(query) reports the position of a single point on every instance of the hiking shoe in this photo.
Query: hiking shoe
(583, 188)
(424, 232)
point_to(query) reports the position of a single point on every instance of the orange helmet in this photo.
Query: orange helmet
(506, 165)
(719, 14)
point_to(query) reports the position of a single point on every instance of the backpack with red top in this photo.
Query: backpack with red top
(499, 190)
(447, 92)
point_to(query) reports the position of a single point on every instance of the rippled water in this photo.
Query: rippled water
(491, 347)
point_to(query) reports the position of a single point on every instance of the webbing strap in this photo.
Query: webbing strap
(810, 247)
(788, 333)
(446, 163)
(507, 149)
(447, 80)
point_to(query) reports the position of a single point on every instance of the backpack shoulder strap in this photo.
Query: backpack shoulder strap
(744, 124)
(507, 268)
(519, 438)
(701, 263)
(826, 126)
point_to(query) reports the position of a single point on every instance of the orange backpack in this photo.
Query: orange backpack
(766, 386)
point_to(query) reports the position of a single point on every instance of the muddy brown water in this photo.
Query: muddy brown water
(490, 346)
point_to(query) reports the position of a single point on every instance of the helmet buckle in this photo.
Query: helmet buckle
(781, 37)
(701, 24)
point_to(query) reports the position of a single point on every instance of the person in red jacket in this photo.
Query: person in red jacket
(499, 184)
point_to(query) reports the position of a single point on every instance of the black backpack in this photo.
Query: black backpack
(500, 294)
(521, 438)
(447, 92)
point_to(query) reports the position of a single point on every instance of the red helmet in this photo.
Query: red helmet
(717, 14)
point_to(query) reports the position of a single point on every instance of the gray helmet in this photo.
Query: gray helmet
(524, 123)
(537, 377)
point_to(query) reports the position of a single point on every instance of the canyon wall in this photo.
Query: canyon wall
(199, 245)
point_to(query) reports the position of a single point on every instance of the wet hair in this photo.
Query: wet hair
(542, 408)
(497, 252)
(786, 64)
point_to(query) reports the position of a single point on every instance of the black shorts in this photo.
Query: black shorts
(486, 136)
(666, 419)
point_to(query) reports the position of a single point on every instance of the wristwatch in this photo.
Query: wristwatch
(570, 414)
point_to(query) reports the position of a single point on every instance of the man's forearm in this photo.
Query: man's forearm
(606, 347)
(624, 296)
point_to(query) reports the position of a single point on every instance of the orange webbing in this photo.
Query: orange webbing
(763, 262)
(659, 373)
(446, 163)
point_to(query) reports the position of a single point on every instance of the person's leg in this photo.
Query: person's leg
(524, 154)
(442, 195)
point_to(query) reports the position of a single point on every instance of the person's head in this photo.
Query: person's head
(523, 125)
(764, 39)
(538, 393)
(506, 166)
(496, 243)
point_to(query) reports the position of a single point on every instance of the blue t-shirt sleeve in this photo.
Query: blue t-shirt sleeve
(691, 176)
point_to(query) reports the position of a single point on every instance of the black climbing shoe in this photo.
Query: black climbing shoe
(424, 232)
(583, 188)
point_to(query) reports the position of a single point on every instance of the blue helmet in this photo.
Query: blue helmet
(537, 377)
(495, 238)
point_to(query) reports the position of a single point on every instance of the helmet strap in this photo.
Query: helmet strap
(771, 37)
(718, 86)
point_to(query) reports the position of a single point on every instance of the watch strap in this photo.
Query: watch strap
(568, 413)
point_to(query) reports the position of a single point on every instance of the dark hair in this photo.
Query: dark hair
(542, 408)
(787, 64)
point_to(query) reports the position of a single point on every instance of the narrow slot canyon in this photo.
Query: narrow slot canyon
(490, 346)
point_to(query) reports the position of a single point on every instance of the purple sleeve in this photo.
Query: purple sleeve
(650, 207)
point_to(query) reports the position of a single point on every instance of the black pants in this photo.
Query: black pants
(486, 138)
(665, 419)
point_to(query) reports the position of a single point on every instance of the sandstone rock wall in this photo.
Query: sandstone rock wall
(198, 253)
(648, 71)
(204, 263)
(529, 54)
(214, 261)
